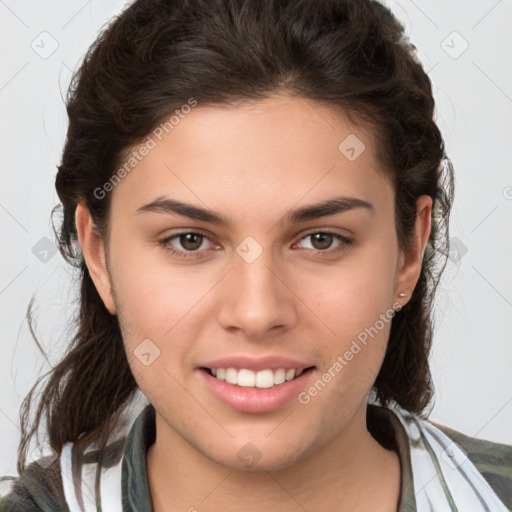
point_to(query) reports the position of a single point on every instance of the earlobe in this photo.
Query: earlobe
(93, 249)
(411, 262)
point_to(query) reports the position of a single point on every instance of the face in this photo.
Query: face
(266, 291)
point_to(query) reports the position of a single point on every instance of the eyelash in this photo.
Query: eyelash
(197, 254)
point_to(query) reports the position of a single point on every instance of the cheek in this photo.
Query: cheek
(351, 298)
(154, 294)
(166, 305)
(354, 306)
(157, 317)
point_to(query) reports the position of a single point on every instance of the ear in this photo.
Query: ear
(411, 261)
(93, 249)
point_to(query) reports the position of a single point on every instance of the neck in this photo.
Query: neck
(352, 472)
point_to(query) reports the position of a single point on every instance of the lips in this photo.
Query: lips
(254, 399)
(255, 385)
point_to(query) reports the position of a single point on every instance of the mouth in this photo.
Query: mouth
(263, 379)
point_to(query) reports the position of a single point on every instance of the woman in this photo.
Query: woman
(257, 196)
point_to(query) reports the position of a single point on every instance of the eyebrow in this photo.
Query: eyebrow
(314, 211)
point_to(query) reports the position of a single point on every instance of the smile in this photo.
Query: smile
(265, 379)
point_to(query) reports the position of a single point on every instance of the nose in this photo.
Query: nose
(257, 298)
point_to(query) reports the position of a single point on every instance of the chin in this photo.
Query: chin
(250, 458)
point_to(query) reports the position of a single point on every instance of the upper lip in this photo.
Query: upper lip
(256, 363)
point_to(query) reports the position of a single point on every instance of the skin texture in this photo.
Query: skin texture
(254, 163)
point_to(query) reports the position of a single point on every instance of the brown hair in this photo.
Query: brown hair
(153, 57)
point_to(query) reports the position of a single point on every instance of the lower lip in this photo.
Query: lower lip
(256, 400)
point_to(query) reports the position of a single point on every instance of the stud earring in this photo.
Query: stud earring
(401, 294)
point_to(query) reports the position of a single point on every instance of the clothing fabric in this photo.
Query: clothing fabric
(441, 470)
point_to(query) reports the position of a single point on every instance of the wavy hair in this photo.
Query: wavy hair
(146, 63)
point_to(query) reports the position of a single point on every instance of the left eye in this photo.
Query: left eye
(324, 239)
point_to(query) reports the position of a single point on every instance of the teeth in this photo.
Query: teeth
(246, 378)
(279, 376)
(231, 376)
(249, 379)
(264, 379)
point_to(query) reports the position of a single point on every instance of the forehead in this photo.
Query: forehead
(260, 155)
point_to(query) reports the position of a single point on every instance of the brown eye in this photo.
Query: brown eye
(321, 241)
(187, 244)
(191, 241)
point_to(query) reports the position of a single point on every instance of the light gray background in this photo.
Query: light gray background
(472, 352)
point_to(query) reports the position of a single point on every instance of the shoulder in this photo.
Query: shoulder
(492, 460)
(38, 488)
(464, 469)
